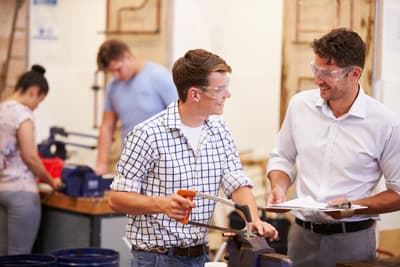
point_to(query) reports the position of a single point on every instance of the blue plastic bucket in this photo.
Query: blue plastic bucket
(31, 260)
(87, 257)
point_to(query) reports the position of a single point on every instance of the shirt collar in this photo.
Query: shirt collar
(358, 109)
(173, 120)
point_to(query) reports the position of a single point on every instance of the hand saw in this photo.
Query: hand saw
(190, 194)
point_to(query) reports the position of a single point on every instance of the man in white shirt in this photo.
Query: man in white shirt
(341, 141)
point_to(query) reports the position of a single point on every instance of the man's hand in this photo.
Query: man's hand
(340, 214)
(101, 169)
(277, 195)
(176, 206)
(280, 183)
(265, 229)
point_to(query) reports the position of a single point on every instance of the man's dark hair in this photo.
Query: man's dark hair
(194, 68)
(344, 46)
(109, 51)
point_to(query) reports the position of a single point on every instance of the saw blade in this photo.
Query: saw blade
(214, 227)
(218, 199)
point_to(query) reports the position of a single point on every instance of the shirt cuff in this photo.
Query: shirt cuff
(120, 183)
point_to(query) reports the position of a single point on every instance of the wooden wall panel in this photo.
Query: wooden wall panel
(17, 63)
(143, 25)
(305, 20)
(140, 23)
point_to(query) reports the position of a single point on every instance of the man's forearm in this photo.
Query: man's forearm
(103, 147)
(279, 179)
(244, 196)
(383, 202)
(134, 203)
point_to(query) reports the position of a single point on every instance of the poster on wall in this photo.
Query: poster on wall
(44, 20)
(44, 2)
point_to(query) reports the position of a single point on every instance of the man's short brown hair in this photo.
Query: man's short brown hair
(194, 68)
(344, 46)
(109, 51)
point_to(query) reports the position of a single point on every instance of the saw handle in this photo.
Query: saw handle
(189, 194)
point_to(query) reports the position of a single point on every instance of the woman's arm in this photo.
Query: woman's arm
(29, 154)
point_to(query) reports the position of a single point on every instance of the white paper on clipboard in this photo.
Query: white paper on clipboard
(307, 203)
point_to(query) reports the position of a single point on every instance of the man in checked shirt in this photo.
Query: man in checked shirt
(182, 147)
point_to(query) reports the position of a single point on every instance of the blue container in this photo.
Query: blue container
(31, 260)
(87, 257)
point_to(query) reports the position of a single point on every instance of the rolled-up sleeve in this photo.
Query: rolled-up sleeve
(389, 161)
(133, 164)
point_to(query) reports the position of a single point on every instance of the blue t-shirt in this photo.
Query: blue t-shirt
(144, 95)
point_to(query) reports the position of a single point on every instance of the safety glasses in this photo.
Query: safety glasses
(325, 74)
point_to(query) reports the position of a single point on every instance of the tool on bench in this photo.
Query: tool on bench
(79, 180)
(244, 247)
(52, 147)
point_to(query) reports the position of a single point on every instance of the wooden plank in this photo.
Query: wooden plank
(389, 240)
(18, 52)
(90, 205)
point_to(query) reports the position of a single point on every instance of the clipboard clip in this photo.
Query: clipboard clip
(345, 205)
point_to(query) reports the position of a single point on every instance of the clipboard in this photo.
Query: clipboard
(307, 203)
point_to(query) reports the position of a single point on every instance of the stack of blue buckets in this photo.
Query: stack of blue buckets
(78, 257)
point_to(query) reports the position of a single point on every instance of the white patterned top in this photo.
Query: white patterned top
(14, 173)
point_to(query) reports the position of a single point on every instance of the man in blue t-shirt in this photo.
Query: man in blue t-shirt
(139, 89)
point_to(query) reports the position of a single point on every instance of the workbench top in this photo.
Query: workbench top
(84, 205)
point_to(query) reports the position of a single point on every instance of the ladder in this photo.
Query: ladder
(6, 64)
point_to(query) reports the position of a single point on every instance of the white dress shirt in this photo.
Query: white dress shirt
(337, 157)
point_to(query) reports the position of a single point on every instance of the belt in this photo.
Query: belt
(176, 251)
(335, 228)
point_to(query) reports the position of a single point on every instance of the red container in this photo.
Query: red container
(54, 166)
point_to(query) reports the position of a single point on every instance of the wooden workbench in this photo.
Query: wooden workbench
(70, 222)
(84, 205)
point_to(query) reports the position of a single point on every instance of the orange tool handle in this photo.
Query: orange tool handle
(190, 194)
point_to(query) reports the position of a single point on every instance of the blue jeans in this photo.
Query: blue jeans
(148, 259)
